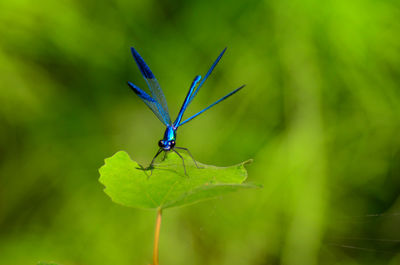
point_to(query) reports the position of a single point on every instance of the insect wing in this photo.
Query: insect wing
(187, 100)
(150, 102)
(207, 75)
(215, 103)
(155, 89)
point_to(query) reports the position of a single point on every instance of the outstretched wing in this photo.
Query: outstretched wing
(207, 75)
(155, 89)
(150, 102)
(215, 103)
(192, 93)
(187, 100)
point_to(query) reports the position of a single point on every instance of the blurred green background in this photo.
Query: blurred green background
(320, 115)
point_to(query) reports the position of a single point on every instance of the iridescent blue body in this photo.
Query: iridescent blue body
(158, 104)
(168, 142)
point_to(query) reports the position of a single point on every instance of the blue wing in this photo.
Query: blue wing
(155, 89)
(216, 102)
(207, 75)
(187, 100)
(150, 102)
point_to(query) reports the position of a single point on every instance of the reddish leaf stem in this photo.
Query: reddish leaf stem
(157, 236)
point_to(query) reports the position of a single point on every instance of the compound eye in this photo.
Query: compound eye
(161, 143)
(172, 143)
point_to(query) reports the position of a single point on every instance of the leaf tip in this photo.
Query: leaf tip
(247, 162)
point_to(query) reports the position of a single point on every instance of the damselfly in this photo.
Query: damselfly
(157, 103)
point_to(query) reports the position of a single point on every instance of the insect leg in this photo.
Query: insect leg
(165, 156)
(152, 161)
(187, 150)
(183, 160)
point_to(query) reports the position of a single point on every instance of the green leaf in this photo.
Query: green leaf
(46, 263)
(127, 183)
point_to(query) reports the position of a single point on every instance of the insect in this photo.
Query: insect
(157, 103)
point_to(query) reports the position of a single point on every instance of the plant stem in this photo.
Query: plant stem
(157, 236)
